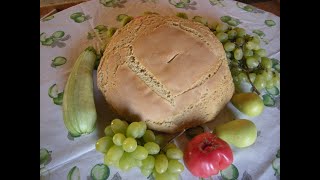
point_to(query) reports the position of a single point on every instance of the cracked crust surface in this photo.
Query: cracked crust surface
(170, 72)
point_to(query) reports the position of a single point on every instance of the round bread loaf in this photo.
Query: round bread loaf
(170, 72)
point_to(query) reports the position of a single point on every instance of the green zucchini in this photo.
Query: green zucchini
(79, 112)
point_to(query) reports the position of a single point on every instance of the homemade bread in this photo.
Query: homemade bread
(170, 72)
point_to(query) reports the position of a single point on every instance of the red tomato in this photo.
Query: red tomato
(206, 154)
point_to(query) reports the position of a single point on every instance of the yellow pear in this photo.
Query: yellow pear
(248, 103)
(240, 133)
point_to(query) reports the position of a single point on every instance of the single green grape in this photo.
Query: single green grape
(236, 80)
(174, 153)
(266, 63)
(152, 147)
(247, 37)
(114, 153)
(137, 162)
(213, 25)
(222, 27)
(174, 166)
(228, 54)
(140, 153)
(229, 46)
(108, 131)
(259, 82)
(256, 46)
(242, 77)
(109, 162)
(240, 32)
(126, 162)
(269, 84)
(149, 136)
(146, 172)
(200, 19)
(166, 176)
(238, 54)
(250, 45)
(134, 130)
(161, 163)
(223, 37)
(118, 126)
(256, 39)
(247, 53)
(148, 163)
(235, 70)
(257, 57)
(267, 75)
(170, 145)
(118, 139)
(142, 129)
(240, 41)
(160, 140)
(129, 144)
(261, 52)
(252, 62)
(232, 34)
(252, 76)
(276, 81)
(104, 144)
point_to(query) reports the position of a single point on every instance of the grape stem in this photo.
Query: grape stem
(172, 139)
(247, 73)
(253, 87)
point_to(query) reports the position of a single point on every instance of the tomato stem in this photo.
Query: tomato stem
(208, 145)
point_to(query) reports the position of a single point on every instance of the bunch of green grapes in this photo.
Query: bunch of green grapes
(248, 62)
(132, 145)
